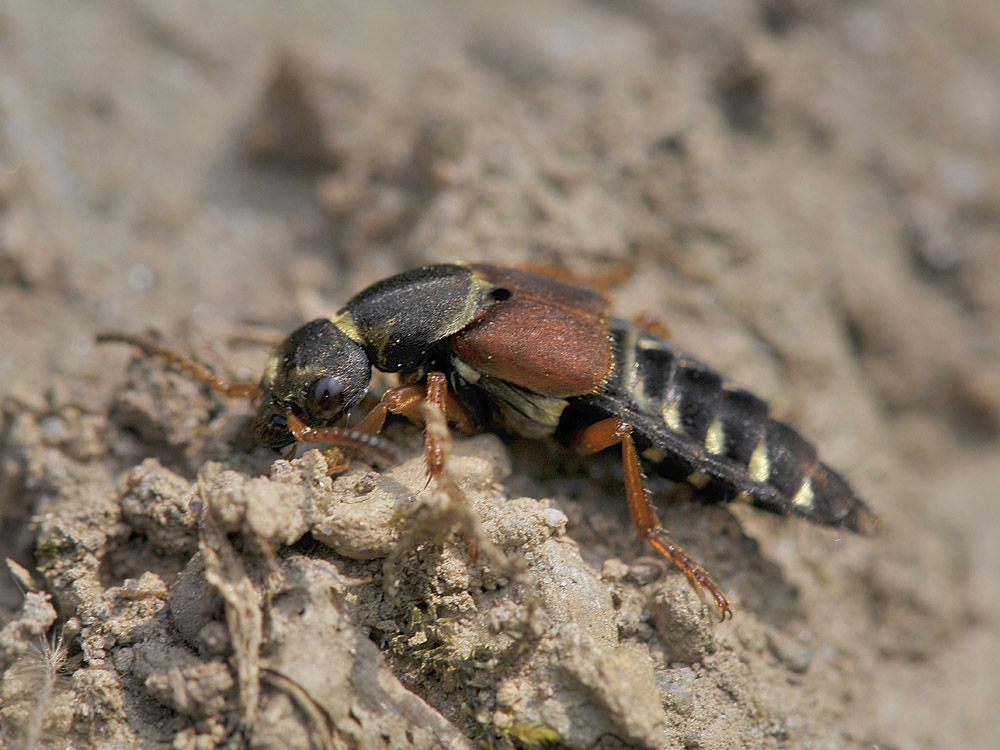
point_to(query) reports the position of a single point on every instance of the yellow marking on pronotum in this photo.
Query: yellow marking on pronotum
(345, 322)
(760, 466)
(715, 438)
(805, 497)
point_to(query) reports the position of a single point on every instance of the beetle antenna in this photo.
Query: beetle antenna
(184, 363)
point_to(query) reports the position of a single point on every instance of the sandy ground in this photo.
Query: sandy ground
(809, 194)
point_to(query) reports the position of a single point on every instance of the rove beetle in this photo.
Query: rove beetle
(538, 356)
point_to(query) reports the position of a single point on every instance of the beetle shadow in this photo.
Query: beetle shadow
(590, 491)
(715, 536)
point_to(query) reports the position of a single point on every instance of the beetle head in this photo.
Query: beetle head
(318, 374)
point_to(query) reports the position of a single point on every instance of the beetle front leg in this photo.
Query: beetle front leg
(615, 431)
(344, 437)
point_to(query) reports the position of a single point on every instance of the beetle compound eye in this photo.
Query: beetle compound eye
(500, 294)
(325, 398)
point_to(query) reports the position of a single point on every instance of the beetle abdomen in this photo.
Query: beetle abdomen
(692, 424)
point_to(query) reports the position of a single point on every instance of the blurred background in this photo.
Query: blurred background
(808, 194)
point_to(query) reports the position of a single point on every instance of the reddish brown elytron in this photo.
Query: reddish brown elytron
(538, 356)
(553, 341)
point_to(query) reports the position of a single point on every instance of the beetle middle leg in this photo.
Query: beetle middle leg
(615, 431)
(409, 401)
(448, 509)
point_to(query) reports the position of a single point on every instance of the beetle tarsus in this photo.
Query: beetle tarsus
(615, 431)
(700, 581)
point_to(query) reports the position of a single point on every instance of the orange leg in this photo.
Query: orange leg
(437, 431)
(405, 401)
(408, 401)
(614, 431)
(345, 437)
(438, 442)
(434, 405)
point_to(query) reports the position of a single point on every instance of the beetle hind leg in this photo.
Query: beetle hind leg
(615, 431)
